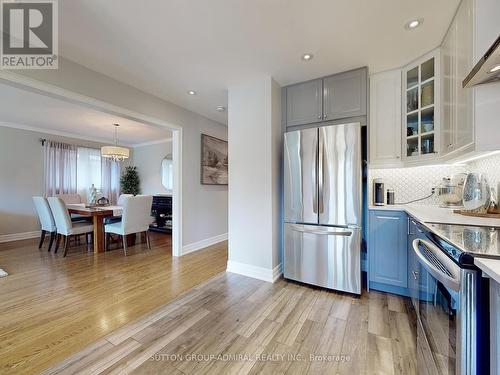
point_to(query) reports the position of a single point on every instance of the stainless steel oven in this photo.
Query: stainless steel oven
(447, 310)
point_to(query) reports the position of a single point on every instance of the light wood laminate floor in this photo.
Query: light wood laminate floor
(52, 307)
(234, 324)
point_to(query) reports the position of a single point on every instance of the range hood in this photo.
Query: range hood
(487, 69)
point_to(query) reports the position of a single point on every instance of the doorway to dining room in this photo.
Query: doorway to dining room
(71, 138)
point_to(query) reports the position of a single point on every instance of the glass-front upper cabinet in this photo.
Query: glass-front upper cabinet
(421, 108)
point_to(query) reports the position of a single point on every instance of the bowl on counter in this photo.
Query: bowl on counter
(450, 191)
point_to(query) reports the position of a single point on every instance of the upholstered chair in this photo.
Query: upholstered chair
(136, 217)
(47, 222)
(70, 198)
(65, 227)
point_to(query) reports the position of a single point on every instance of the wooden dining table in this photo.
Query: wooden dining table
(98, 215)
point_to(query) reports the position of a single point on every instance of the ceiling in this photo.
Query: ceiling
(167, 47)
(25, 109)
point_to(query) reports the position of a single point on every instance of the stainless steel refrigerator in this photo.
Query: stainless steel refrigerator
(323, 206)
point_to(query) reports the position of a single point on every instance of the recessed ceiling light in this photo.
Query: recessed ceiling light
(495, 69)
(307, 56)
(220, 108)
(192, 92)
(414, 24)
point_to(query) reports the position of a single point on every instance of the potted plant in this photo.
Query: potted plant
(129, 181)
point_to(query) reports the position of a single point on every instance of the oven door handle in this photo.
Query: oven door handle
(438, 259)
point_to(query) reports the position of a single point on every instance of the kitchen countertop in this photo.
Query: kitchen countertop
(436, 214)
(428, 215)
(491, 267)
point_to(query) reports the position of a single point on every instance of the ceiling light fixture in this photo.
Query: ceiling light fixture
(414, 24)
(192, 92)
(495, 69)
(116, 153)
(307, 56)
(220, 108)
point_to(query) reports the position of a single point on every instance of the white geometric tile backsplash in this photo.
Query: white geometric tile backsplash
(490, 167)
(417, 182)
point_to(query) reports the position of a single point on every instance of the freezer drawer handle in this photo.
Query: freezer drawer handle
(301, 229)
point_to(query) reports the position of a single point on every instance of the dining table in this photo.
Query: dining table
(98, 215)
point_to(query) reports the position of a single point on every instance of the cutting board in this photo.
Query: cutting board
(491, 215)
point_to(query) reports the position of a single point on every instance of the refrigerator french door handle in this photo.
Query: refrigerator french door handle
(321, 175)
(315, 178)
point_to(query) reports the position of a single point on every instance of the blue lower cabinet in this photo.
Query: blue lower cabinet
(388, 251)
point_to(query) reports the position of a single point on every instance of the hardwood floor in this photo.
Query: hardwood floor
(234, 324)
(52, 307)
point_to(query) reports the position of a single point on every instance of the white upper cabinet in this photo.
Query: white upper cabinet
(440, 120)
(421, 108)
(464, 125)
(448, 80)
(457, 50)
(385, 119)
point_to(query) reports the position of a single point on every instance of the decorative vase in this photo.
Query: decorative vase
(92, 195)
(476, 197)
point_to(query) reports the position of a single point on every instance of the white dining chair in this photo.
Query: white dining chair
(136, 217)
(116, 219)
(121, 198)
(47, 222)
(74, 199)
(65, 227)
(70, 198)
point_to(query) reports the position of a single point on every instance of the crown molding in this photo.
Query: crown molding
(58, 133)
(151, 143)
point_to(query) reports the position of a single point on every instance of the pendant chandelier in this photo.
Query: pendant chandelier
(116, 153)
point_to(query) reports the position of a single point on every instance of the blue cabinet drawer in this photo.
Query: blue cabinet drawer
(388, 250)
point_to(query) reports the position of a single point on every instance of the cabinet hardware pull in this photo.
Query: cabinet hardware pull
(319, 116)
(325, 116)
(415, 275)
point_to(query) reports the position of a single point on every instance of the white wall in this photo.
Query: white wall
(148, 161)
(254, 173)
(204, 207)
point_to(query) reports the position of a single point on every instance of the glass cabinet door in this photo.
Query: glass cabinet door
(420, 108)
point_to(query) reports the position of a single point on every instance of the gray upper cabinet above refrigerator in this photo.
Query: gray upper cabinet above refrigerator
(344, 95)
(304, 103)
(339, 96)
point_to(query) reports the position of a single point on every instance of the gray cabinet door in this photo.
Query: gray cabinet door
(304, 103)
(345, 95)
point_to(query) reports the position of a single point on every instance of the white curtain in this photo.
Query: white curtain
(59, 168)
(110, 179)
(88, 170)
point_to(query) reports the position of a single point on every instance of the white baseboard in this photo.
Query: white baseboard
(261, 273)
(195, 246)
(19, 236)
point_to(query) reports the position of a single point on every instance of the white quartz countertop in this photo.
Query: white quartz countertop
(436, 214)
(491, 267)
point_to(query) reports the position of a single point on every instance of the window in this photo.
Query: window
(70, 169)
(88, 170)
